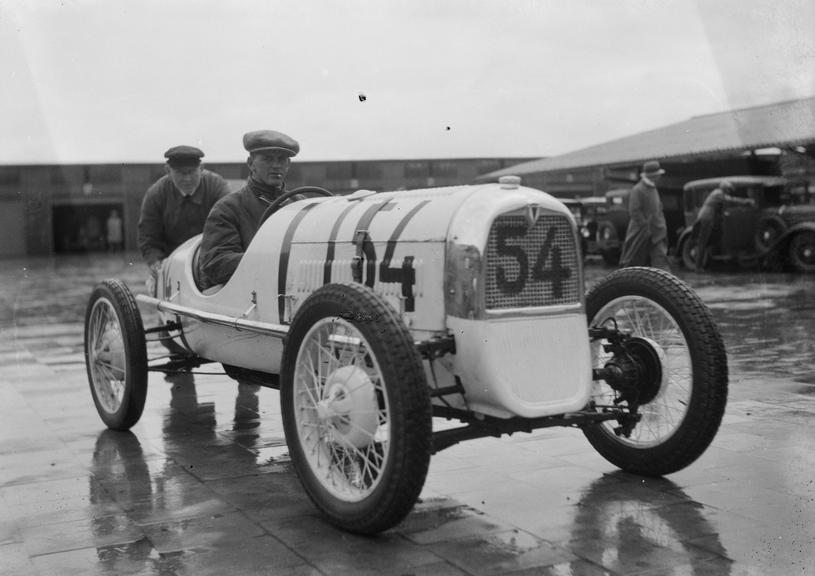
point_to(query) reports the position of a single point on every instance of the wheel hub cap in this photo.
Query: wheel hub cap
(111, 352)
(349, 408)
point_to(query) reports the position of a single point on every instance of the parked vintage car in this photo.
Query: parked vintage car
(778, 231)
(579, 207)
(575, 206)
(593, 212)
(588, 211)
(378, 314)
(612, 225)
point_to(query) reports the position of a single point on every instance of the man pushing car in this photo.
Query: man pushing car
(175, 207)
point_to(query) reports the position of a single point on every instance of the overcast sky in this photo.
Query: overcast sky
(92, 81)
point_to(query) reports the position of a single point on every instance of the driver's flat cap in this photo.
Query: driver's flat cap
(259, 140)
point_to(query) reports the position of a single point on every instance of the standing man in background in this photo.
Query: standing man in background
(646, 241)
(176, 206)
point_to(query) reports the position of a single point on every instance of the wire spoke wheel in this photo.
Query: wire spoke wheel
(115, 355)
(676, 363)
(341, 409)
(664, 413)
(106, 355)
(356, 408)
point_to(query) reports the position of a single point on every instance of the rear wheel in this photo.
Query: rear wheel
(356, 408)
(116, 355)
(802, 251)
(675, 369)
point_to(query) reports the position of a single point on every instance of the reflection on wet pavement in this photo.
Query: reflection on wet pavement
(203, 483)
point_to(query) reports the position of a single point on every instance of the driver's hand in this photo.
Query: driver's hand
(154, 268)
(150, 285)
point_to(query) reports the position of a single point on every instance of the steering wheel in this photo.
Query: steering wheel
(307, 190)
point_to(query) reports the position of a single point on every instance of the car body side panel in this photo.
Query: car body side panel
(738, 225)
(309, 243)
(413, 247)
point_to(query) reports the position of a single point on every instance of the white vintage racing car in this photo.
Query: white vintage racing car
(378, 314)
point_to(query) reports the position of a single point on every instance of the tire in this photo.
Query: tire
(683, 406)
(116, 355)
(356, 408)
(768, 230)
(801, 254)
(688, 253)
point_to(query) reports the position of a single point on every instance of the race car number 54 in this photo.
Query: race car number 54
(548, 265)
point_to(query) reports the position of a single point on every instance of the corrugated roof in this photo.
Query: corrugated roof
(784, 123)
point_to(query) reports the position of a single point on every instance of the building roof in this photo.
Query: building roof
(790, 123)
(740, 181)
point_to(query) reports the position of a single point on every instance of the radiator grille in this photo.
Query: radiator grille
(531, 266)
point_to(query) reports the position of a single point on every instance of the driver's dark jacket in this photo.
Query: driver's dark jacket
(230, 227)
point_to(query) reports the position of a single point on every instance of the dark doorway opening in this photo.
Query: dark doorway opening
(84, 227)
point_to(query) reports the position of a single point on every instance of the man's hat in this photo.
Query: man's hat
(179, 156)
(270, 140)
(652, 168)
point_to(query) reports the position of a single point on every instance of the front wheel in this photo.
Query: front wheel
(116, 354)
(802, 251)
(768, 230)
(676, 371)
(356, 408)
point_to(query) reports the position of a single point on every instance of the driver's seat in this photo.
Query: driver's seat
(196, 273)
(196, 268)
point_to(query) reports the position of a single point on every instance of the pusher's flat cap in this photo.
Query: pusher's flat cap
(183, 156)
(270, 140)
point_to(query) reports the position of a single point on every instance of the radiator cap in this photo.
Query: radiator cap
(509, 182)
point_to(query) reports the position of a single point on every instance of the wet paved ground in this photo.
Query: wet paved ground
(203, 485)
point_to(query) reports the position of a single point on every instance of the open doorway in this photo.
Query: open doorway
(86, 227)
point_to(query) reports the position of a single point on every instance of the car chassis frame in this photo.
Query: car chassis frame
(475, 425)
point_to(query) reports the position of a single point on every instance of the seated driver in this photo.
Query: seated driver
(234, 220)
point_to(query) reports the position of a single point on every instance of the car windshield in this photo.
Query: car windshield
(774, 195)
